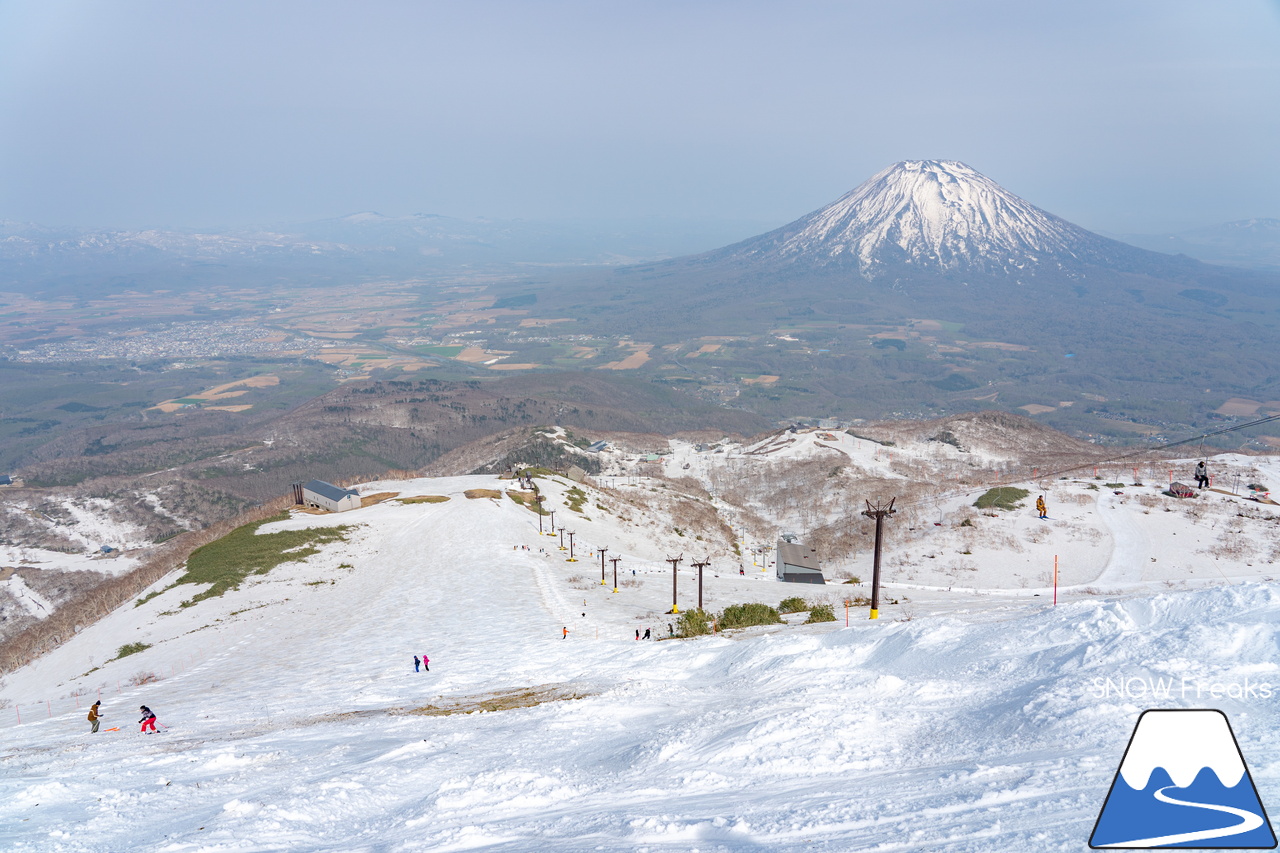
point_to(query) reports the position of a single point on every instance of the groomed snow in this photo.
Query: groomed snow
(977, 723)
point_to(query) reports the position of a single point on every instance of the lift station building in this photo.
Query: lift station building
(797, 562)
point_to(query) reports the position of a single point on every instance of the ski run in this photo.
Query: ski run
(974, 715)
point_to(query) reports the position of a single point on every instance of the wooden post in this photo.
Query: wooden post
(674, 561)
(878, 513)
(700, 566)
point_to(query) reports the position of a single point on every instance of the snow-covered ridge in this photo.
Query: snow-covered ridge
(933, 213)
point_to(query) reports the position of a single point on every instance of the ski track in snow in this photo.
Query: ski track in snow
(963, 734)
(34, 603)
(1131, 547)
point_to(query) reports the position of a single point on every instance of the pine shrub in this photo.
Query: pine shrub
(794, 604)
(693, 623)
(746, 615)
(821, 613)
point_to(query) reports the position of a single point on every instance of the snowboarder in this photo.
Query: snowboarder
(417, 664)
(1042, 507)
(741, 570)
(94, 716)
(637, 633)
(148, 720)
(565, 635)
(1202, 475)
(426, 663)
(646, 634)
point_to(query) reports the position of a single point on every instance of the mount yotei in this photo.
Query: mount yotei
(934, 215)
(931, 289)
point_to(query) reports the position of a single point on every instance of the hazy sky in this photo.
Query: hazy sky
(1120, 116)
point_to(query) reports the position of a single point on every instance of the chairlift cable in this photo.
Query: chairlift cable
(1120, 458)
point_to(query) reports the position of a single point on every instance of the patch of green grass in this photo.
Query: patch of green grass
(226, 562)
(821, 613)
(1114, 485)
(150, 595)
(1001, 497)
(746, 615)
(131, 649)
(576, 498)
(794, 604)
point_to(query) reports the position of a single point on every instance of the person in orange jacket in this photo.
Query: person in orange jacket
(95, 716)
(1042, 507)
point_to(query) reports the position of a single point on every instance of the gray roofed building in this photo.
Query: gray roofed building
(796, 562)
(318, 493)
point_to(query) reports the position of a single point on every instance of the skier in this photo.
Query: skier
(1202, 475)
(637, 633)
(647, 636)
(94, 716)
(1042, 507)
(417, 664)
(148, 720)
(426, 663)
(565, 635)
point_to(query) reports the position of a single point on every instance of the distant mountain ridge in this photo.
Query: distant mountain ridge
(1249, 243)
(934, 215)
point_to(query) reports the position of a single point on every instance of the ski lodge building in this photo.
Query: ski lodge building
(796, 562)
(322, 495)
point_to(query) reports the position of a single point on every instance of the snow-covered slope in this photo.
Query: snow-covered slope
(962, 723)
(932, 214)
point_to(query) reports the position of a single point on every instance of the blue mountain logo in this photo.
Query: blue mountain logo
(1183, 784)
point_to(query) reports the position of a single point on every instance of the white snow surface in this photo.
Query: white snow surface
(980, 723)
(936, 213)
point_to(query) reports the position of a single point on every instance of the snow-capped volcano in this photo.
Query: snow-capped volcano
(938, 214)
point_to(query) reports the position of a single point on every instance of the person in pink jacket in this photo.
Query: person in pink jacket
(425, 661)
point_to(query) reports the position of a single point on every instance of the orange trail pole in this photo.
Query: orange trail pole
(1055, 580)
